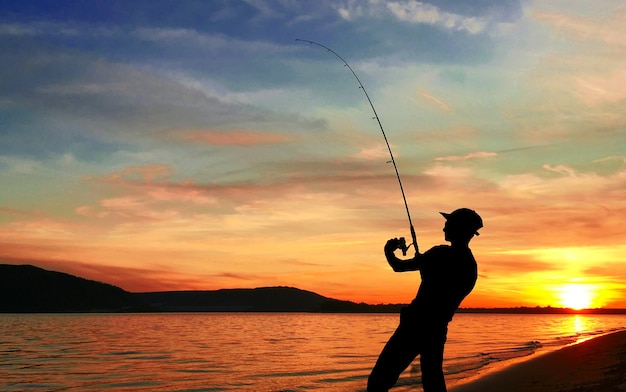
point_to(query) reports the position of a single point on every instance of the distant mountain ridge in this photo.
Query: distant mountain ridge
(30, 289)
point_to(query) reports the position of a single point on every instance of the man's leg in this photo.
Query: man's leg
(431, 360)
(397, 355)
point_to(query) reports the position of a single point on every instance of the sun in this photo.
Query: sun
(576, 296)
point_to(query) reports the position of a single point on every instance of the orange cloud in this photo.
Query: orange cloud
(610, 30)
(236, 138)
(321, 226)
(596, 90)
(435, 102)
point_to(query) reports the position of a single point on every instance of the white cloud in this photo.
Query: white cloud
(193, 39)
(418, 12)
(473, 155)
(413, 12)
(561, 169)
(18, 165)
(448, 172)
(55, 29)
(351, 10)
(373, 153)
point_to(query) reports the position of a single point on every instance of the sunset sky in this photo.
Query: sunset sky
(176, 145)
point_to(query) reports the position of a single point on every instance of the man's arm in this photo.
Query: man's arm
(400, 265)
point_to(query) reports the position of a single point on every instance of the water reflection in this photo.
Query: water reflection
(579, 324)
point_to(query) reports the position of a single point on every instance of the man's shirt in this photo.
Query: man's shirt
(448, 276)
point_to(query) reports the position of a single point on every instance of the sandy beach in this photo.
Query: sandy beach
(595, 365)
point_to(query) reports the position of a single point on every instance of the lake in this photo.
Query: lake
(256, 351)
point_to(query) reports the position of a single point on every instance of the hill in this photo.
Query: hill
(264, 299)
(29, 289)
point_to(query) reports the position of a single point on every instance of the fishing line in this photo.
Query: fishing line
(380, 125)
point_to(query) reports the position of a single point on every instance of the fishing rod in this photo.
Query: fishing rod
(403, 245)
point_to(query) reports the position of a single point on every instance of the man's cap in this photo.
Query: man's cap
(465, 217)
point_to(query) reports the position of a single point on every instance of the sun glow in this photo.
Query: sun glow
(576, 296)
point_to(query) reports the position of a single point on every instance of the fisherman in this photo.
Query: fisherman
(448, 273)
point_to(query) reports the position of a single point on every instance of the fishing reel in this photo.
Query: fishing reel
(403, 246)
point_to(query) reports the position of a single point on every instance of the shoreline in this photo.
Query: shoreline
(594, 365)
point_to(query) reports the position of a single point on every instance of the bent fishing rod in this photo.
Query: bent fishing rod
(403, 245)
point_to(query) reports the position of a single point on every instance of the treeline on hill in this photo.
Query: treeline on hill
(262, 299)
(542, 310)
(337, 306)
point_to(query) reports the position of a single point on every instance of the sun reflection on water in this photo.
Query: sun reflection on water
(580, 324)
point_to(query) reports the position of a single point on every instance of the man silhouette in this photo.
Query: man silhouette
(448, 274)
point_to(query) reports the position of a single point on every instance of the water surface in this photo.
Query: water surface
(254, 351)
